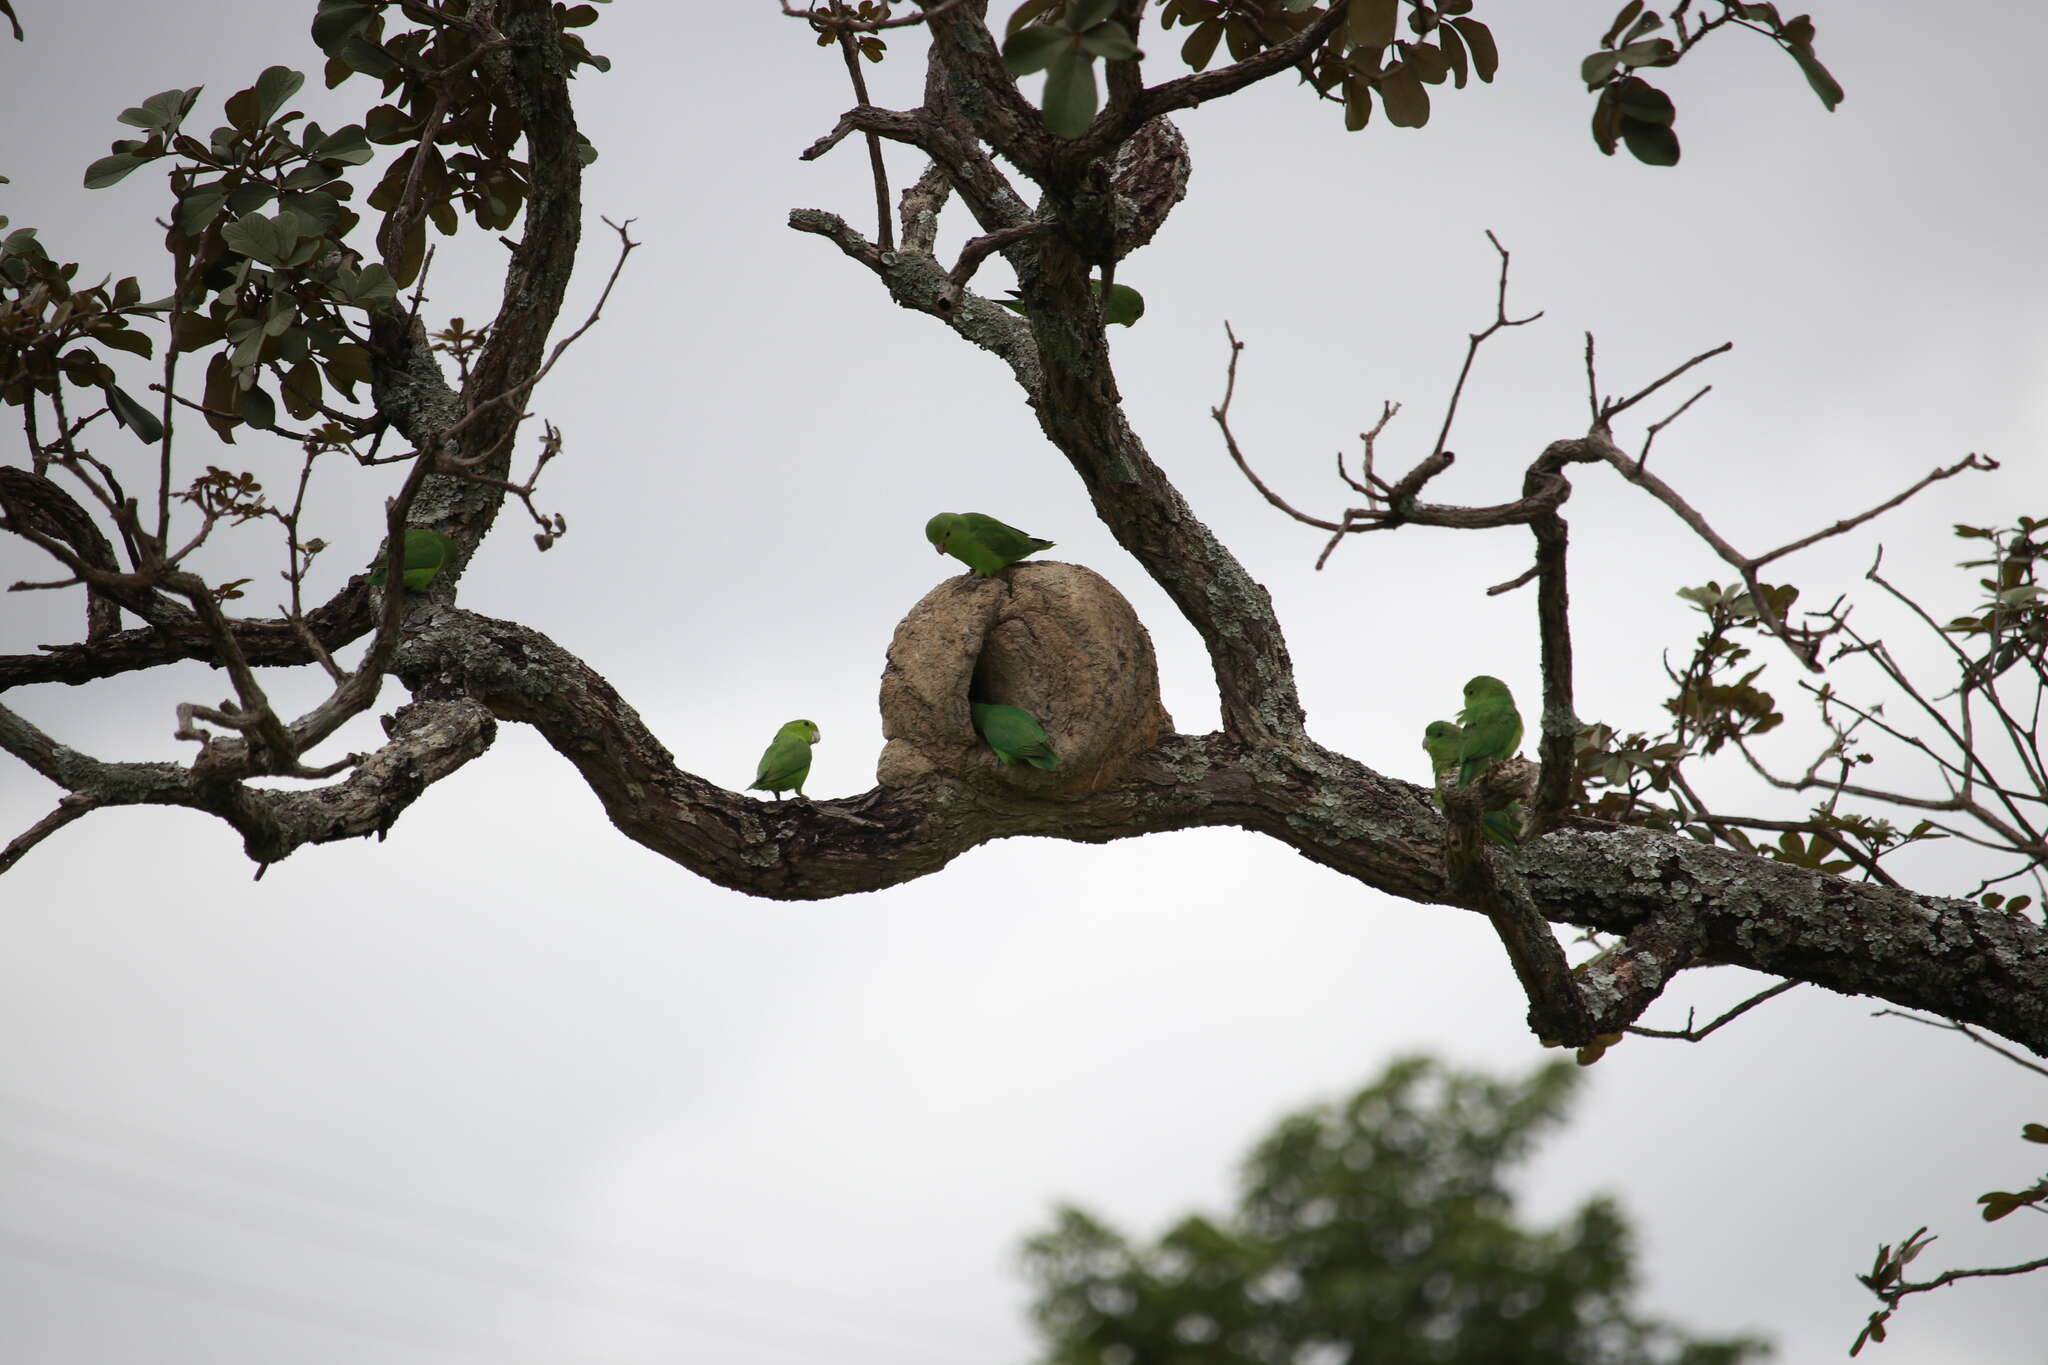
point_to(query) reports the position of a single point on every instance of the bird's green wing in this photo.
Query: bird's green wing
(426, 554)
(1003, 540)
(1493, 727)
(1504, 826)
(1015, 735)
(787, 760)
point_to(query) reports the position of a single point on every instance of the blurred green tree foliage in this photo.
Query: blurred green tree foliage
(1379, 1231)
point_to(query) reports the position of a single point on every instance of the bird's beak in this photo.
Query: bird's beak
(938, 547)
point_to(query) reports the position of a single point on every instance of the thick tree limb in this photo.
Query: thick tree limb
(1675, 901)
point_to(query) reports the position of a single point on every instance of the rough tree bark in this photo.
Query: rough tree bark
(1673, 902)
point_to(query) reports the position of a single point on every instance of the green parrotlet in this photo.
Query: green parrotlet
(1015, 735)
(426, 554)
(1492, 727)
(986, 546)
(1441, 740)
(787, 760)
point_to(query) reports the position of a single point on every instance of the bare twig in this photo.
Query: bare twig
(1971, 461)
(1615, 407)
(1475, 340)
(836, 21)
(1221, 414)
(1979, 1039)
(1689, 1034)
(979, 249)
(1520, 580)
(69, 808)
(1373, 482)
(1951, 1276)
(1676, 413)
(461, 463)
(849, 48)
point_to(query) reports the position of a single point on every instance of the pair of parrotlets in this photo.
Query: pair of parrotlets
(987, 547)
(1487, 731)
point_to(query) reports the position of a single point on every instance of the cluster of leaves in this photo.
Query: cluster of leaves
(1886, 1278)
(267, 287)
(1886, 1273)
(1630, 779)
(1383, 1225)
(1998, 1203)
(1712, 707)
(869, 45)
(1365, 56)
(262, 210)
(1633, 113)
(49, 329)
(435, 97)
(1063, 38)
(2012, 623)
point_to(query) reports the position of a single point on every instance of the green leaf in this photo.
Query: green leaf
(1638, 99)
(1406, 102)
(190, 331)
(1597, 67)
(1109, 41)
(1070, 96)
(133, 415)
(1998, 1204)
(1454, 54)
(1033, 49)
(197, 208)
(348, 145)
(301, 390)
(256, 407)
(1357, 104)
(347, 365)
(371, 286)
(1083, 15)
(1824, 85)
(2035, 1132)
(273, 241)
(1371, 23)
(125, 339)
(111, 170)
(339, 19)
(1653, 144)
(1650, 52)
(1479, 38)
(1621, 21)
(248, 198)
(1428, 63)
(161, 112)
(274, 87)
(1201, 45)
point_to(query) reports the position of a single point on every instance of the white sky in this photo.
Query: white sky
(508, 1087)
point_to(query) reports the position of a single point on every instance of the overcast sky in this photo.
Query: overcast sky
(508, 1087)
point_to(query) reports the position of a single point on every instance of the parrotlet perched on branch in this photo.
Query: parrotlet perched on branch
(1442, 741)
(1492, 727)
(426, 554)
(986, 546)
(1015, 735)
(787, 760)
